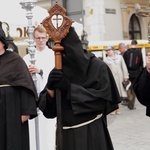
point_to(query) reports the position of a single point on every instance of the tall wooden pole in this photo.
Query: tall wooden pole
(57, 26)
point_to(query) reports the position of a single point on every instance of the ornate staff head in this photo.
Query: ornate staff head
(57, 26)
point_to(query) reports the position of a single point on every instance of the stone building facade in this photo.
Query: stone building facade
(113, 20)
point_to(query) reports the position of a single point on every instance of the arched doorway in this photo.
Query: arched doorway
(134, 28)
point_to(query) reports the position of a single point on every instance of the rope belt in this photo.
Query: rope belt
(4, 85)
(84, 123)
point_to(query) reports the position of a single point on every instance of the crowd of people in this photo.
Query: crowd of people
(125, 67)
(90, 88)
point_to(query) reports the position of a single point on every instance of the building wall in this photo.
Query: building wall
(101, 26)
(113, 22)
(94, 20)
(127, 10)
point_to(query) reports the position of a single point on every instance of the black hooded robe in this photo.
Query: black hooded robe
(93, 92)
(141, 88)
(15, 100)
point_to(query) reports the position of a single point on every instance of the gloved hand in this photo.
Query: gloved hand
(56, 79)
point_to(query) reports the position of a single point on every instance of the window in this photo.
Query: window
(134, 28)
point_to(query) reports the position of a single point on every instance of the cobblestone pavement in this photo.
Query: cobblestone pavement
(131, 129)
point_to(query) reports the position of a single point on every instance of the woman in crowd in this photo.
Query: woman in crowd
(119, 70)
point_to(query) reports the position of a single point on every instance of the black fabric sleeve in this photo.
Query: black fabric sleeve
(28, 102)
(83, 101)
(148, 111)
(47, 104)
(98, 96)
(141, 87)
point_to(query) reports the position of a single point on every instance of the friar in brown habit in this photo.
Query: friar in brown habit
(17, 100)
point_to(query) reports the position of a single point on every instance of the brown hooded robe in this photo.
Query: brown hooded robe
(15, 100)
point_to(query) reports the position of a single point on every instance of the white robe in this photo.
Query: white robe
(43, 60)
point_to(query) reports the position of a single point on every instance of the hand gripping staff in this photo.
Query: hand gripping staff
(57, 26)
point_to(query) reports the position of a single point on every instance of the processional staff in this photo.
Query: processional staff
(28, 5)
(57, 26)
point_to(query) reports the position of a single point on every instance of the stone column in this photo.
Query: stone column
(93, 20)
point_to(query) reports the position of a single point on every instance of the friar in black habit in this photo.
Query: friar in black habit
(17, 100)
(88, 95)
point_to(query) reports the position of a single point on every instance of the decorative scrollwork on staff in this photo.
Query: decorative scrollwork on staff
(57, 26)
